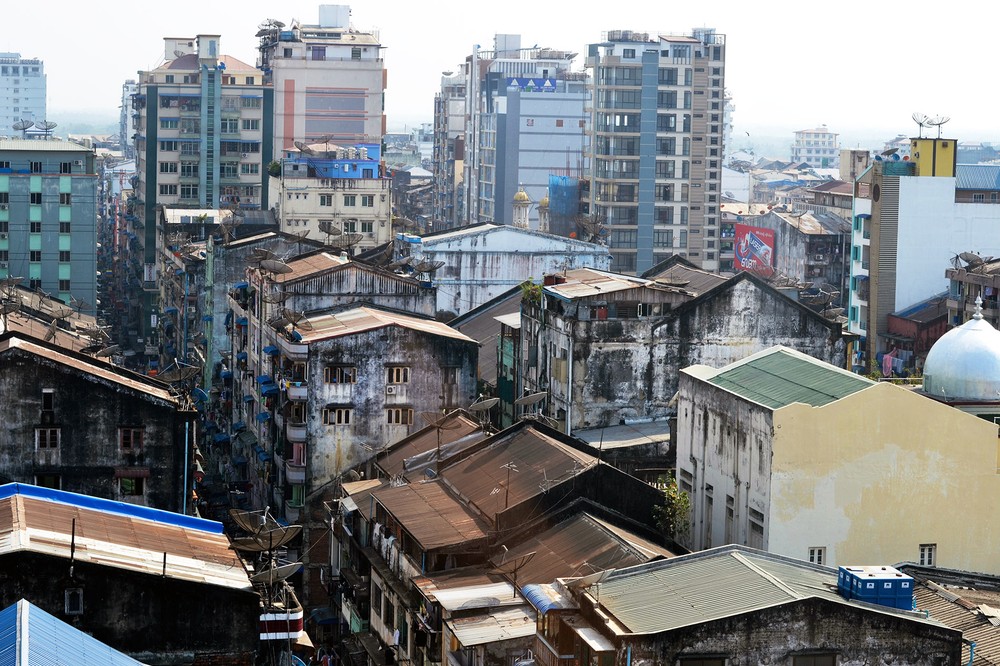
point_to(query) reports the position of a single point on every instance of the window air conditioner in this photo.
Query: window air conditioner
(390, 390)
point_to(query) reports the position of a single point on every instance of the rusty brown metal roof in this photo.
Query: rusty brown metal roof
(311, 264)
(119, 540)
(539, 462)
(360, 493)
(410, 456)
(361, 319)
(578, 546)
(432, 516)
(967, 610)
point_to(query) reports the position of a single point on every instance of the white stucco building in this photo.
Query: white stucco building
(22, 89)
(482, 261)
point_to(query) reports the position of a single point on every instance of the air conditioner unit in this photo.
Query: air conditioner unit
(820, 257)
(3, 236)
(390, 390)
(244, 155)
(78, 163)
(3, 264)
(4, 206)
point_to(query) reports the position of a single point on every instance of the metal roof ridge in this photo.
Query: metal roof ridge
(774, 580)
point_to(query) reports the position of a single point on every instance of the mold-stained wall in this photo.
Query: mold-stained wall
(88, 412)
(441, 374)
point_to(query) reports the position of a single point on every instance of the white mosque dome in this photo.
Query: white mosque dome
(964, 364)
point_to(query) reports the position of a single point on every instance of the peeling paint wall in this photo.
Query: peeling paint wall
(432, 362)
(88, 411)
(723, 463)
(736, 323)
(874, 475)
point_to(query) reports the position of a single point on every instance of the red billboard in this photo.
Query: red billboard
(754, 249)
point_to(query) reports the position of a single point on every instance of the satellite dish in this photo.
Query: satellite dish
(50, 332)
(349, 240)
(400, 263)
(276, 574)
(46, 126)
(275, 266)
(266, 540)
(938, 121)
(531, 399)
(60, 311)
(179, 374)
(326, 226)
(297, 319)
(970, 258)
(275, 296)
(483, 405)
(428, 266)
(23, 125)
(921, 120)
(304, 148)
(108, 351)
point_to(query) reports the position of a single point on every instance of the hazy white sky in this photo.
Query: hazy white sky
(859, 67)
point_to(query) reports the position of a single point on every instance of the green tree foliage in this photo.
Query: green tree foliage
(672, 515)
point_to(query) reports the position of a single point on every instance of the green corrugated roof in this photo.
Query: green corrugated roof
(782, 377)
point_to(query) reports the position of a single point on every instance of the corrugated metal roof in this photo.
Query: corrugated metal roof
(494, 627)
(977, 177)
(677, 272)
(411, 455)
(585, 282)
(624, 436)
(482, 324)
(477, 596)
(311, 264)
(97, 368)
(30, 636)
(361, 319)
(779, 376)
(539, 463)
(951, 607)
(578, 546)
(715, 584)
(548, 596)
(48, 145)
(361, 491)
(432, 516)
(119, 540)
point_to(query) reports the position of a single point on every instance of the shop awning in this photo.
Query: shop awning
(262, 417)
(271, 350)
(264, 379)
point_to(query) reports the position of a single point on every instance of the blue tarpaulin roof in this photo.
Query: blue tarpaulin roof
(241, 285)
(271, 350)
(170, 310)
(239, 425)
(241, 356)
(248, 398)
(263, 416)
(221, 437)
(242, 321)
(264, 379)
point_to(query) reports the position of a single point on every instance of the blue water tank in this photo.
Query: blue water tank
(885, 586)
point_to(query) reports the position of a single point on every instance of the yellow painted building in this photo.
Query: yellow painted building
(820, 464)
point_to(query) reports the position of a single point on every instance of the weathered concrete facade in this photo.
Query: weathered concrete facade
(83, 425)
(627, 345)
(810, 628)
(741, 317)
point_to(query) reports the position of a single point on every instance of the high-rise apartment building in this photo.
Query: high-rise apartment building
(657, 145)
(525, 121)
(48, 218)
(125, 138)
(817, 147)
(202, 122)
(22, 90)
(328, 79)
(447, 202)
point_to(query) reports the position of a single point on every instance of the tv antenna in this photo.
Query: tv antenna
(511, 567)
(439, 422)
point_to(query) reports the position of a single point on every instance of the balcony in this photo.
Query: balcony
(295, 432)
(292, 511)
(295, 473)
(297, 391)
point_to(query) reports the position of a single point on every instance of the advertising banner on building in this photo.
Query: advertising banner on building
(754, 249)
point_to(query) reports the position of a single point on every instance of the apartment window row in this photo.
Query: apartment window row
(343, 416)
(130, 440)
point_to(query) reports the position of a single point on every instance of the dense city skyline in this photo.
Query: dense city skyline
(786, 71)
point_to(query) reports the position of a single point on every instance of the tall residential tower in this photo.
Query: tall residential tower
(657, 145)
(22, 90)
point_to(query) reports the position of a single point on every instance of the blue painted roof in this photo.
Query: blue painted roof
(977, 177)
(31, 637)
(110, 506)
